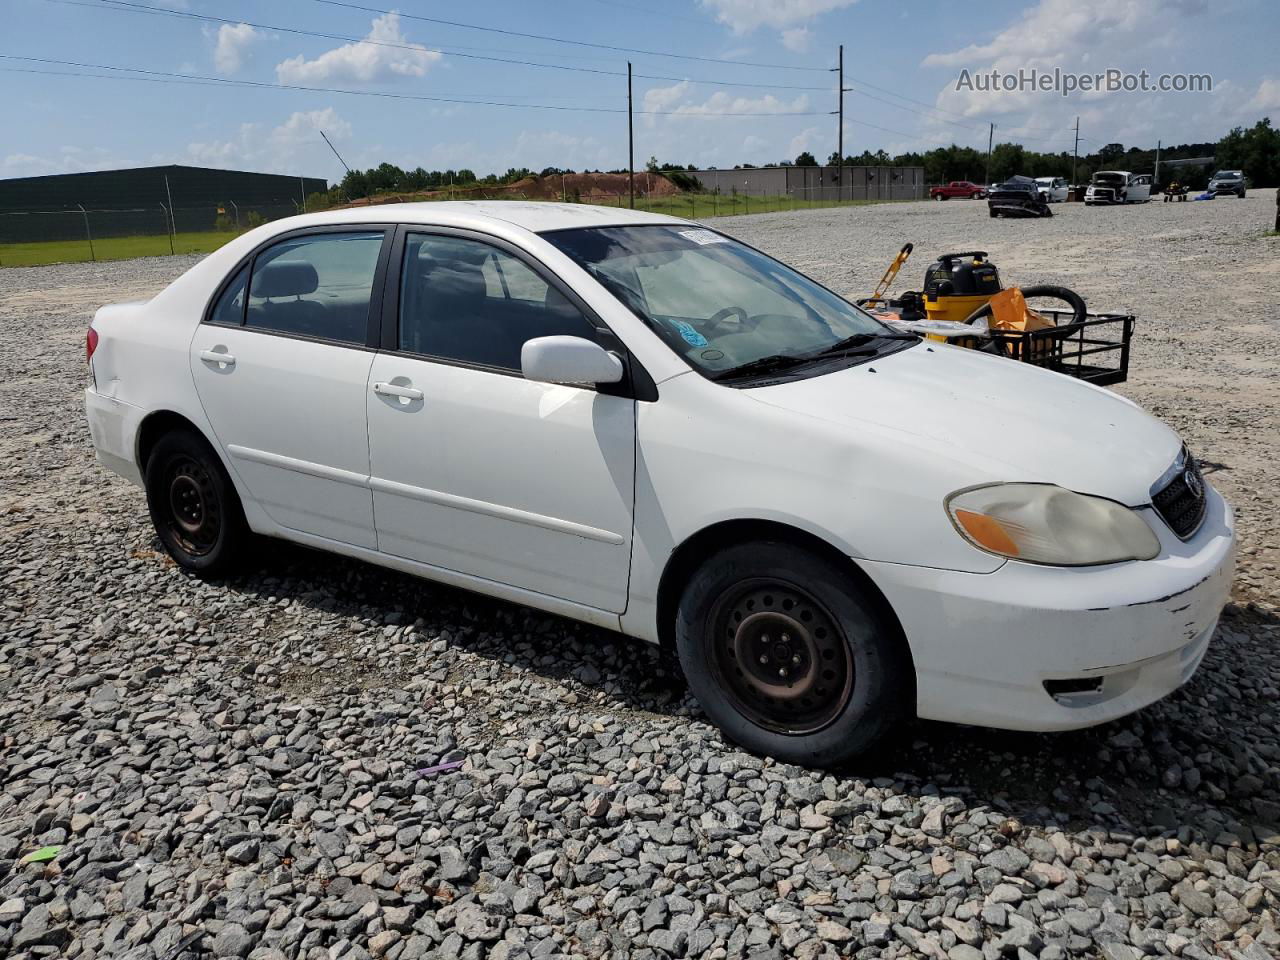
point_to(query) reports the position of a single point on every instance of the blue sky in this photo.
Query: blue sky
(902, 59)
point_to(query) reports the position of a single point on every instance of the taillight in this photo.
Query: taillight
(90, 344)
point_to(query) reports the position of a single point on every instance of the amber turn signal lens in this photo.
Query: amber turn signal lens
(987, 532)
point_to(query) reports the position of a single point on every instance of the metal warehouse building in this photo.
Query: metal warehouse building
(145, 200)
(818, 183)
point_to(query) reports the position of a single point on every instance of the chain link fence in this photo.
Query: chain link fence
(31, 237)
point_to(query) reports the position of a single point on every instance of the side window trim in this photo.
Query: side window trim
(377, 290)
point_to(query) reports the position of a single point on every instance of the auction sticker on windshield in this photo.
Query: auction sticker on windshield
(703, 237)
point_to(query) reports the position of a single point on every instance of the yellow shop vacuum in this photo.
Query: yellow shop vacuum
(956, 284)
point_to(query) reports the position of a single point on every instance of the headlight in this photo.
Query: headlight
(1043, 523)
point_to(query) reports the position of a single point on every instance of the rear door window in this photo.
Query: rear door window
(316, 286)
(229, 310)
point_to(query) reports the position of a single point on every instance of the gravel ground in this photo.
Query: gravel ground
(249, 768)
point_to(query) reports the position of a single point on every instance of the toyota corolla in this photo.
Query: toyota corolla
(642, 423)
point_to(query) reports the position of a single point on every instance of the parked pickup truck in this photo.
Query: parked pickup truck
(1118, 186)
(960, 189)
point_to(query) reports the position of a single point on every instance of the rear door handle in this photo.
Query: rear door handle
(395, 390)
(213, 356)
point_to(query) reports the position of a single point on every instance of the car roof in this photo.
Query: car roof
(535, 216)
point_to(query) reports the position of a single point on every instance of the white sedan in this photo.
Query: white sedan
(641, 423)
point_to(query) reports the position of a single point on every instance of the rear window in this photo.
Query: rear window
(316, 286)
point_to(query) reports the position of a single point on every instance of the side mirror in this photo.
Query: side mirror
(568, 360)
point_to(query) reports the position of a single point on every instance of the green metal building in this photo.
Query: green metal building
(146, 200)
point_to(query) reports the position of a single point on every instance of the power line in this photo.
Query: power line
(126, 6)
(263, 84)
(576, 43)
(197, 81)
(130, 6)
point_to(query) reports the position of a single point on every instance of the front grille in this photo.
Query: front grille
(1181, 501)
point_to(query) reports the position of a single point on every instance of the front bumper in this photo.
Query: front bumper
(1107, 640)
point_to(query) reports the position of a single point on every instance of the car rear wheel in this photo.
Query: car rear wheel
(788, 656)
(194, 505)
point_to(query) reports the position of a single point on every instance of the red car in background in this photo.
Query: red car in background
(961, 189)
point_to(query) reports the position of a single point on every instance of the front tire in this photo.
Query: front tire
(194, 505)
(790, 657)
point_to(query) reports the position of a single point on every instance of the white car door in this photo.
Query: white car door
(282, 375)
(475, 469)
(1139, 189)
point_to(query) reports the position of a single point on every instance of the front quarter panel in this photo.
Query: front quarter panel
(708, 454)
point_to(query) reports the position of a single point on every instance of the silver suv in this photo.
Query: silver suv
(1228, 181)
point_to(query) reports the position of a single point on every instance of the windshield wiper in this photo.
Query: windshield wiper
(848, 344)
(769, 364)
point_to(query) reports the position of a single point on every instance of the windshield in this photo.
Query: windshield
(1226, 175)
(1109, 178)
(718, 303)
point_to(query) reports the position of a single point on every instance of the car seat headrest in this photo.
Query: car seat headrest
(285, 278)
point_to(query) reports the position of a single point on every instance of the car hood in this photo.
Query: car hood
(998, 419)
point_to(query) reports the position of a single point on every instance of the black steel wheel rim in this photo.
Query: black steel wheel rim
(780, 656)
(193, 512)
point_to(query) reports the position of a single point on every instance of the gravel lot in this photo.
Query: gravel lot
(236, 768)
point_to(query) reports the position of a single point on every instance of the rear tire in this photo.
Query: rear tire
(789, 657)
(194, 505)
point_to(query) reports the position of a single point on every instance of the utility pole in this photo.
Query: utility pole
(841, 90)
(1075, 154)
(1156, 178)
(631, 143)
(991, 135)
(840, 127)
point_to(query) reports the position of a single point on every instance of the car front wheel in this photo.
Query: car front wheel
(194, 505)
(789, 657)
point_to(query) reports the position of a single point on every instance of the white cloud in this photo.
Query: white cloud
(797, 39)
(305, 127)
(67, 159)
(672, 101)
(1091, 36)
(743, 16)
(233, 46)
(385, 54)
(293, 146)
(806, 139)
(27, 165)
(1267, 97)
(662, 98)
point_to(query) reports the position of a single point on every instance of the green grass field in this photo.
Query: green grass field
(108, 248)
(691, 205)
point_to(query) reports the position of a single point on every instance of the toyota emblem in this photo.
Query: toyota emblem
(1192, 479)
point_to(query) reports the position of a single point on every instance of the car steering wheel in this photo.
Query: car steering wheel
(716, 324)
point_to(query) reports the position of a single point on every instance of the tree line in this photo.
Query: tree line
(1255, 150)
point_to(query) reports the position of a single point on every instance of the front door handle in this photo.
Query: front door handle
(213, 356)
(395, 390)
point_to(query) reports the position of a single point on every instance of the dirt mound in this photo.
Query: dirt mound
(585, 187)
